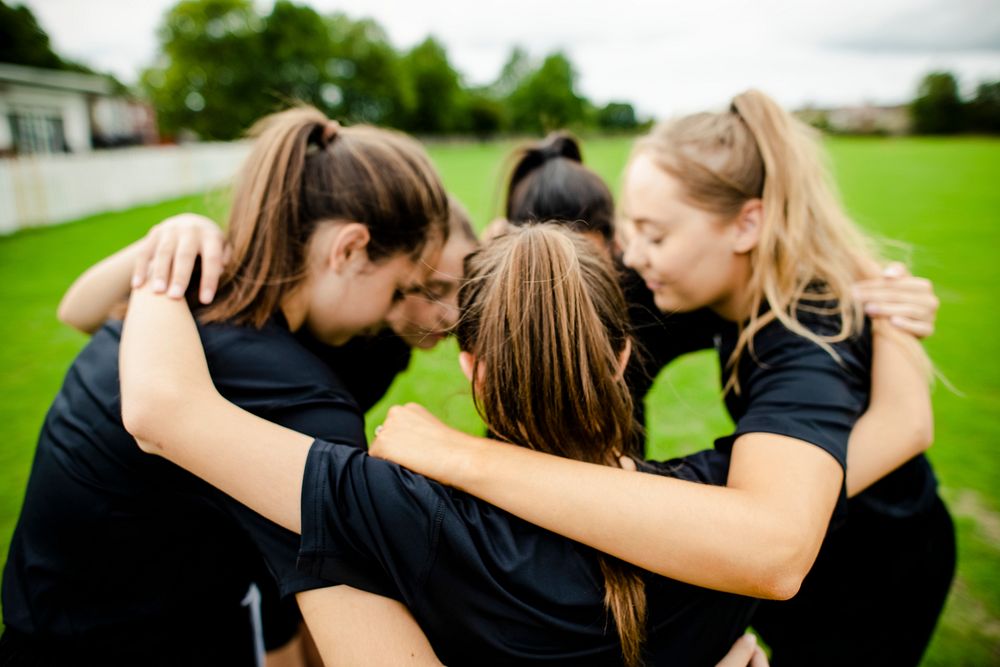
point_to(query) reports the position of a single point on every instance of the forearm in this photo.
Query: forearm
(899, 423)
(730, 539)
(170, 404)
(90, 299)
(352, 627)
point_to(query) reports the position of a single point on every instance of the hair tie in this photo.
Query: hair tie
(330, 131)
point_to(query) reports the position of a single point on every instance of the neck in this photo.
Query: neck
(294, 307)
(735, 305)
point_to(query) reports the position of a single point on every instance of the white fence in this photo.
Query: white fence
(49, 189)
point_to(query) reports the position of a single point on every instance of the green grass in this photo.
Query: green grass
(939, 196)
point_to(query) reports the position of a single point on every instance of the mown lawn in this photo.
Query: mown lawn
(939, 196)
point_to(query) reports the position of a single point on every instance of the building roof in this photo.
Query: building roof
(52, 79)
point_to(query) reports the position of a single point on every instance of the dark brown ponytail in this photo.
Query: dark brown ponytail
(304, 171)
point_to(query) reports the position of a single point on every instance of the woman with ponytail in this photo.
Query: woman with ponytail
(730, 217)
(121, 559)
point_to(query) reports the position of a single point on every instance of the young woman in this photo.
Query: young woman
(483, 585)
(549, 182)
(732, 213)
(121, 559)
(190, 246)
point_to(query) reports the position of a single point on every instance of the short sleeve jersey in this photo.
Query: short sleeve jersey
(485, 586)
(790, 386)
(115, 543)
(367, 365)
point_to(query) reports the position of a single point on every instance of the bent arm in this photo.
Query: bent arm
(757, 537)
(170, 404)
(167, 253)
(899, 422)
(92, 296)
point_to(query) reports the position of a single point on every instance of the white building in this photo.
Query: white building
(53, 111)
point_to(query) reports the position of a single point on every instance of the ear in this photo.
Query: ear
(349, 248)
(467, 362)
(746, 227)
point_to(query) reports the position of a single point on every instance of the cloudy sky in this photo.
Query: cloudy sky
(664, 56)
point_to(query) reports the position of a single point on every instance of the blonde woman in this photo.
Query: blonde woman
(733, 214)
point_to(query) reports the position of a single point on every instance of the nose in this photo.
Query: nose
(634, 257)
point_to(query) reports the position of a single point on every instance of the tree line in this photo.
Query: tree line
(940, 109)
(223, 63)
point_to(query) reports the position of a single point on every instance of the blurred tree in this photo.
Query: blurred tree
(546, 99)
(22, 40)
(369, 84)
(211, 64)
(437, 90)
(484, 114)
(617, 116)
(938, 108)
(984, 109)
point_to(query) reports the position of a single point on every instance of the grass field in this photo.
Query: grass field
(939, 196)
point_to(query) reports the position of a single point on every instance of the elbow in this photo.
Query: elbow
(781, 584)
(68, 316)
(147, 412)
(923, 436)
(789, 558)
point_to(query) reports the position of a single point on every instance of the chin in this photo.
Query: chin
(672, 303)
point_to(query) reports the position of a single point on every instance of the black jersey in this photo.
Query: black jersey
(122, 550)
(485, 586)
(367, 365)
(789, 386)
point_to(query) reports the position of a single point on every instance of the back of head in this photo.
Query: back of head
(809, 250)
(306, 171)
(549, 183)
(544, 316)
(542, 310)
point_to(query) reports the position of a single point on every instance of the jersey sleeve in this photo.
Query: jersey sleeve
(793, 387)
(367, 522)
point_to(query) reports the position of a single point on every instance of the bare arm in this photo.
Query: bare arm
(171, 406)
(352, 627)
(757, 537)
(899, 422)
(91, 298)
(166, 255)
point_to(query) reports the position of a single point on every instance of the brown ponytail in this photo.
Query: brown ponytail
(306, 171)
(546, 320)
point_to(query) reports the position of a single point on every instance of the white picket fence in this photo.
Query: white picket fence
(50, 189)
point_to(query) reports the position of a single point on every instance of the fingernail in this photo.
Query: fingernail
(136, 281)
(751, 638)
(159, 285)
(871, 309)
(206, 296)
(176, 292)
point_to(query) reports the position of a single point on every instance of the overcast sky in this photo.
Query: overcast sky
(664, 56)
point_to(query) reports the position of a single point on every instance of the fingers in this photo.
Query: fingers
(140, 270)
(759, 658)
(742, 652)
(212, 261)
(918, 328)
(163, 257)
(182, 264)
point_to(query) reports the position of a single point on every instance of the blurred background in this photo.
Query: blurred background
(115, 114)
